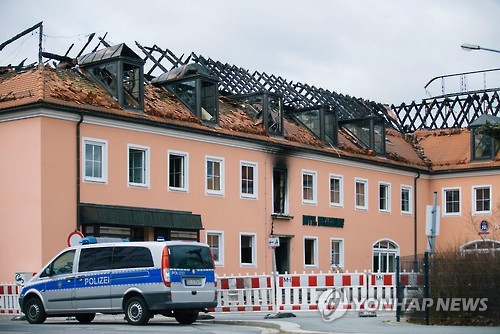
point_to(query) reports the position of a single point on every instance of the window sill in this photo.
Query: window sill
(138, 185)
(177, 190)
(281, 216)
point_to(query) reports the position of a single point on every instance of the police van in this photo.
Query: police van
(140, 279)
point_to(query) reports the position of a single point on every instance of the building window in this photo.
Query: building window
(482, 145)
(248, 178)
(177, 171)
(280, 191)
(215, 240)
(195, 88)
(336, 190)
(120, 71)
(451, 201)
(95, 161)
(406, 199)
(310, 252)
(309, 187)
(248, 250)
(384, 256)
(482, 199)
(138, 166)
(337, 253)
(214, 176)
(384, 197)
(361, 194)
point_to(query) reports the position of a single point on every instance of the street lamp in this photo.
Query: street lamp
(472, 47)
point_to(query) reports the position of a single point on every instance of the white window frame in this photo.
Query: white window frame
(385, 252)
(314, 176)
(104, 159)
(340, 178)
(185, 171)
(254, 249)
(365, 182)
(410, 207)
(221, 163)
(443, 194)
(220, 234)
(146, 167)
(315, 249)
(341, 253)
(388, 199)
(254, 165)
(474, 207)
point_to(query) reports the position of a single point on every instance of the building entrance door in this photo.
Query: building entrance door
(283, 255)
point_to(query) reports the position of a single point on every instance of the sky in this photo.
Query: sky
(380, 50)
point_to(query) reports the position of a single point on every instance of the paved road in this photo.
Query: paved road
(248, 322)
(116, 324)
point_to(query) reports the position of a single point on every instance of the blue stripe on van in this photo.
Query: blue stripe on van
(129, 277)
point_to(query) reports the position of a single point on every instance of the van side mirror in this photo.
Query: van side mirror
(48, 272)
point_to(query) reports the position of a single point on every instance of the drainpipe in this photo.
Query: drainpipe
(415, 263)
(78, 171)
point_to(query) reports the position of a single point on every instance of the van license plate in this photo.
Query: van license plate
(193, 282)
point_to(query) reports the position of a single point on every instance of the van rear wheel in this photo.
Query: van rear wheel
(35, 313)
(137, 311)
(85, 318)
(186, 317)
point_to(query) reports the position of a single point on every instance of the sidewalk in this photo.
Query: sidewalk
(311, 322)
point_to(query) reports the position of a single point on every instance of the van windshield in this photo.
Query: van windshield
(190, 257)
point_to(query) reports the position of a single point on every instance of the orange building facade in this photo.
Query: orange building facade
(75, 158)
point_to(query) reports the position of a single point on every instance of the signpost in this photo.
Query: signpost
(432, 220)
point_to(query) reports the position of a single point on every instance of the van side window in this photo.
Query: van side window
(132, 257)
(63, 264)
(92, 259)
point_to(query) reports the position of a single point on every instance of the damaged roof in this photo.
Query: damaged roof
(425, 151)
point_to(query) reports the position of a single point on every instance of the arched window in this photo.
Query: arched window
(481, 246)
(384, 256)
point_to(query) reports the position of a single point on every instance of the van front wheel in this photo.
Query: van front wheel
(186, 317)
(136, 311)
(35, 314)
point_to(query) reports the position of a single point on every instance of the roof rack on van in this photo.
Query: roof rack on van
(101, 240)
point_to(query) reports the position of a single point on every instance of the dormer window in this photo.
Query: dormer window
(483, 146)
(369, 131)
(119, 70)
(195, 88)
(321, 121)
(266, 107)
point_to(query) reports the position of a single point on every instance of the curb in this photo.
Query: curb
(281, 326)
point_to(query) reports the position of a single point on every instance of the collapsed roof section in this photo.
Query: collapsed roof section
(268, 97)
(258, 106)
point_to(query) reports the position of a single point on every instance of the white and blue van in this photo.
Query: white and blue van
(140, 279)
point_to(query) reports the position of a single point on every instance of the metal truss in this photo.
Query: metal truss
(234, 80)
(448, 112)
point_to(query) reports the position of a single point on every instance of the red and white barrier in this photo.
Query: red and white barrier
(301, 291)
(244, 293)
(284, 292)
(9, 299)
